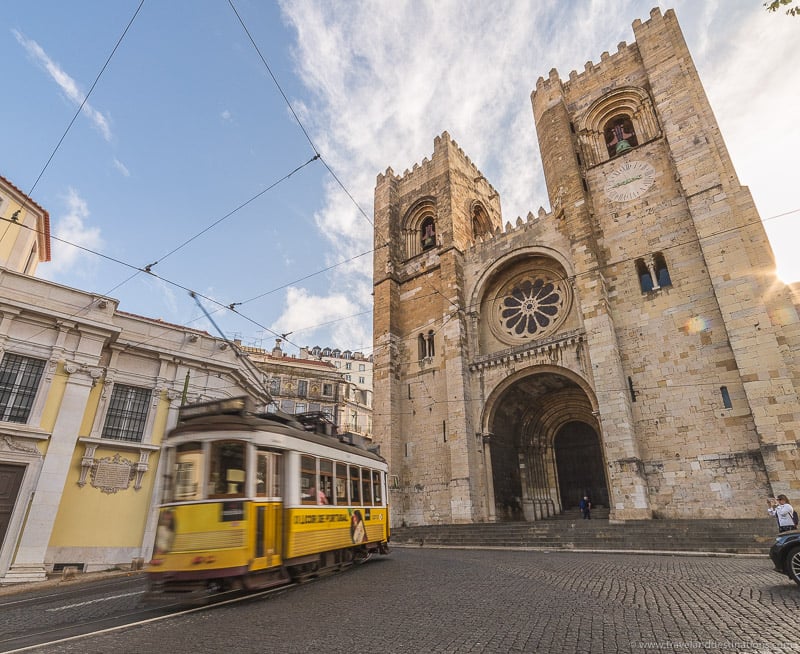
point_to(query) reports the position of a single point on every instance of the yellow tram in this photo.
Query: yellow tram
(255, 500)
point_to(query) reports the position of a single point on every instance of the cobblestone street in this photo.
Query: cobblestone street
(450, 600)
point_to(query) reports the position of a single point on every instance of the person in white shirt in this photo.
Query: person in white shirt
(780, 508)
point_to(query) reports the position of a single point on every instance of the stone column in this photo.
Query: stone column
(29, 562)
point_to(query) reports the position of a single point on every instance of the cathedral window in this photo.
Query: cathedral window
(426, 346)
(726, 397)
(419, 227)
(645, 279)
(531, 307)
(481, 225)
(620, 135)
(653, 272)
(662, 273)
(428, 233)
(529, 300)
(616, 122)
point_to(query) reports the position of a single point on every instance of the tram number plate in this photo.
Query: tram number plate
(232, 511)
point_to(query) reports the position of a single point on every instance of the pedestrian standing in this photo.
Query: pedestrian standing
(780, 508)
(585, 505)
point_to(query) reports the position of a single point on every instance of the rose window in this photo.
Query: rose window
(530, 308)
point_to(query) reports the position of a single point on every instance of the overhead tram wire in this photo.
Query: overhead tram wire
(148, 268)
(85, 100)
(296, 117)
(254, 370)
(230, 213)
(302, 279)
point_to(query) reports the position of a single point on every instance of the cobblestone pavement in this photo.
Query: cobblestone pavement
(468, 601)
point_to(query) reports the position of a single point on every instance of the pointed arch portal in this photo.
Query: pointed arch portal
(546, 449)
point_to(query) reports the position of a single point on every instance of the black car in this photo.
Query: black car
(785, 554)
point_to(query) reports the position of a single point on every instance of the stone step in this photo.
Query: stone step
(729, 536)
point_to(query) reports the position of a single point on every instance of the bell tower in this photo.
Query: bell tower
(675, 273)
(425, 220)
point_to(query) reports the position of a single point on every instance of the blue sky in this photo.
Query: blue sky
(186, 125)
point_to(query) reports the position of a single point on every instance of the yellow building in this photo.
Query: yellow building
(86, 395)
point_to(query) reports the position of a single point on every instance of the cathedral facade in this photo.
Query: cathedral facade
(633, 343)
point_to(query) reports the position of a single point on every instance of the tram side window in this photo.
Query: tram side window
(188, 471)
(326, 481)
(308, 479)
(366, 487)
(268, 474)
(341, 484)
(355, 485)
(376, 487)
(227, 466)
(277, 459)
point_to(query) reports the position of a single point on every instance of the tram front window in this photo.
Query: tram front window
(226, 466)
(188, 472)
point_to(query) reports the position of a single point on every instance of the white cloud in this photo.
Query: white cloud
(226, 116)
(309, 316)
(121, 167)
(71, 230)
(67, 85)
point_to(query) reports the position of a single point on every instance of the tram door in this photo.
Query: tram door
(268, 510)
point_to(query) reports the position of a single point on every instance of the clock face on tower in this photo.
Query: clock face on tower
(629, 181)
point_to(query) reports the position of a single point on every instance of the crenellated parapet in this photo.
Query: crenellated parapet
(609, 64)
(445, 149)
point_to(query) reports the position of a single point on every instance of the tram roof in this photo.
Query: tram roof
(251, 422)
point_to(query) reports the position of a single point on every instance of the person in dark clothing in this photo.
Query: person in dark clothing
(585, 505)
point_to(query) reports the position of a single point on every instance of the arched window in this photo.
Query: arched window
(662, 273)
(653, 272)
(425, 344)
(419, 227)
(620, 135)
(428, 233)
(645, 280)
(481, 225)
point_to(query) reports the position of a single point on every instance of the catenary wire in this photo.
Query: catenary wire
(296, 117)
(85, 100)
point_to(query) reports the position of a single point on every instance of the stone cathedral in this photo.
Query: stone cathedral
(633, 343)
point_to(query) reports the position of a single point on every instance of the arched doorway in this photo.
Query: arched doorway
(544, 439)
(579, 462)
